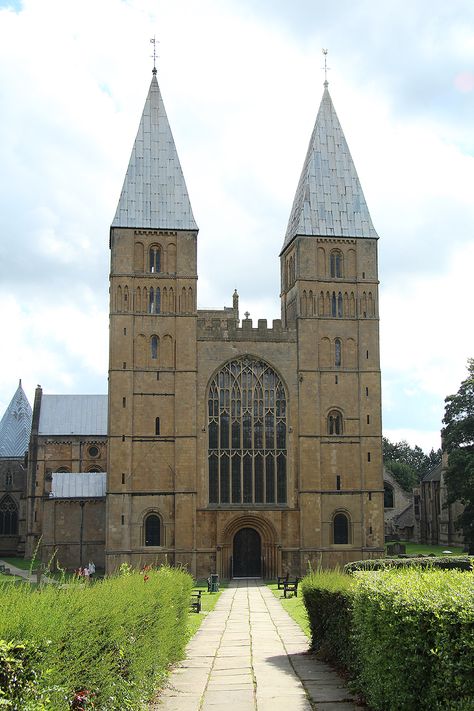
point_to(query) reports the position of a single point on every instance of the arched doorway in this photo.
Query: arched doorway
(247, 554)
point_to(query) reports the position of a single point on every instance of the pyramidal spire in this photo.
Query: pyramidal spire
(15, 426)
(329, 201)
(154, 193)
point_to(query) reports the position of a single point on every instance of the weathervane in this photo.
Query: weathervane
(326, 68)
(153, 42)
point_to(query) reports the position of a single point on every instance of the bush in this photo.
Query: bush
(328, 597)
(111, 641)
(18, 677)
(413, 636)
(442, 562)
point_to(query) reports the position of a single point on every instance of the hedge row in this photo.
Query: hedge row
(442, 562)
(107, 644)
(406, 635)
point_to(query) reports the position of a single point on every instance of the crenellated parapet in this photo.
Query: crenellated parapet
(225, 329)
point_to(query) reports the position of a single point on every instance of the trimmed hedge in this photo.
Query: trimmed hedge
(108, 643)
(413, 635)
(406, 636)
(327, 596)
(442, 562)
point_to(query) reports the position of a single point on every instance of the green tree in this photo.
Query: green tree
(458, 439)
(403, 473)
(413, 459)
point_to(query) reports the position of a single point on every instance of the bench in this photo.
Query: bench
(196, 603)
(281, 580)
(291, 585)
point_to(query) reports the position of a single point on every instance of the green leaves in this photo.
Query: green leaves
(458, 438)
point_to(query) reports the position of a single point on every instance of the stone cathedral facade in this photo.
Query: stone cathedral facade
(235, 447)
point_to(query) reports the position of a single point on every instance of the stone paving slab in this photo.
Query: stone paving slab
(250, 655)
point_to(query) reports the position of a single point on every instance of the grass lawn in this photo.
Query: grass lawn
(294, 607)
(23, 563)
(208, 601)
(414, 548)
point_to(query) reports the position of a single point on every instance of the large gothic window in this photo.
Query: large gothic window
(8, 517)
(247, 434)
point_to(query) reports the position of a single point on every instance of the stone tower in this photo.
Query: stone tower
(233, 448)
(329, 294)
(152, 371)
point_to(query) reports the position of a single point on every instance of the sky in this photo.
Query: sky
(241, 81)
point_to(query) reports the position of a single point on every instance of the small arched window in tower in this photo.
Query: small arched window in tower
(339, 305)
(154, 347)
(387, 496)
(335, 423)
(8, 516)
(155, 259)
(152, 530)
(334, 304)
(337, 352)
(336, 264)
(154, 301)
(340, 528)
(157, 425)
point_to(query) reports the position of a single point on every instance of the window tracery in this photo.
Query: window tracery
(247, 434)
(8, 516)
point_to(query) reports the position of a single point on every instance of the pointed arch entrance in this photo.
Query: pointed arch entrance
(247, 554)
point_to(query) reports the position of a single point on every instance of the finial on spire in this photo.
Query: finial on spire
(326, 68)
(153, 42)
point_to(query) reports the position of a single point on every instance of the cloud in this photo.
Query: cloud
(241, 83)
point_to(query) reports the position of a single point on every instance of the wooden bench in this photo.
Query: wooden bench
(281, 580)
(291, 585)
(196, 603)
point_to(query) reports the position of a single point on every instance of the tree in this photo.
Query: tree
(413, 459)
(458, 440)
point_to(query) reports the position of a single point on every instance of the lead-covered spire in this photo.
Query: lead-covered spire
(15, 426)
(329, 201)
(154, 193)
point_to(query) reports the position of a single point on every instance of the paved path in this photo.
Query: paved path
(25, 574)
(249, 655)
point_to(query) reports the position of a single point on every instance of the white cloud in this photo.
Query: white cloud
(241, 82)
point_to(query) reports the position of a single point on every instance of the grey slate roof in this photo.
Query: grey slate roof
(329, 201)
(66, 485)
(73, 415)
(15, 426)
(434, 474)
(406, 519)
(154, 193)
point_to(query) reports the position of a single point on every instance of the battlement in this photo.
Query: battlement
(225, 329)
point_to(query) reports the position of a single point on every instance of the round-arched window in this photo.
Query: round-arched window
(247, 434)
(152, 530)
(341, 528)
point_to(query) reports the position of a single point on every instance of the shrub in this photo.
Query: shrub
(18, 677)
(113, 639)
(412, 631)
(327, 597)
(445, 563)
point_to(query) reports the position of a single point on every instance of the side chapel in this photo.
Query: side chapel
(243, 448)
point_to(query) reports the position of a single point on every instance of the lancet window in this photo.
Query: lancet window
(154, 301)
(8, 516)
(247, 432)
(336, 264)
(152, 530)
(155, 259)
(335, 423)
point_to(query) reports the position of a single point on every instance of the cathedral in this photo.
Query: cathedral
(224, 445)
